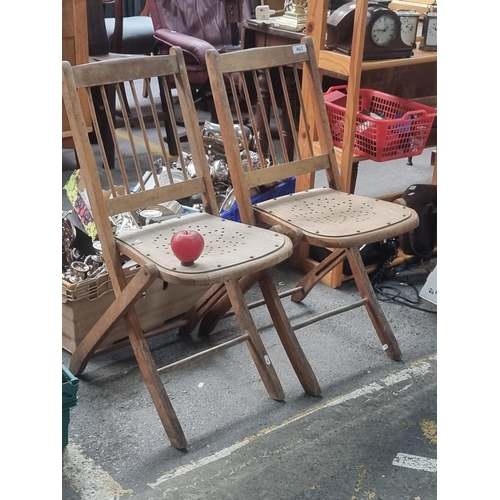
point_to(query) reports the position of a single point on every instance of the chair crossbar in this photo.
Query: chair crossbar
(206, 352)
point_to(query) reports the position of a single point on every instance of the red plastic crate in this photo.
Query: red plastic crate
(387, 127)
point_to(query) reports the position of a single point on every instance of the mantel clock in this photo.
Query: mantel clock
(382, 37)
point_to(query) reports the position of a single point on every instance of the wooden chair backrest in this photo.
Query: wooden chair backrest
(120, 188)
(283, 68)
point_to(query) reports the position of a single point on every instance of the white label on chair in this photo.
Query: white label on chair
(266, 359)
(385, 347)
(299, 49)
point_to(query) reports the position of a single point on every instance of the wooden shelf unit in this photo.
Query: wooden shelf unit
(352, 68)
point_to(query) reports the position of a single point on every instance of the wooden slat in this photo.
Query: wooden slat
(154, 196)
(266, 59)
(286, 170)
(205, 353)
(117, 69)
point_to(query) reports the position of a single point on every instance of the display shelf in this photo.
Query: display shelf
(333, 62)
(350, 68)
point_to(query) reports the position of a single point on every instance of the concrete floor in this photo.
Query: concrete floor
(370, 435)
(243, 445)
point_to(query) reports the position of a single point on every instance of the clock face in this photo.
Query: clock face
(383, 30)
(431, 38)
(409, 29)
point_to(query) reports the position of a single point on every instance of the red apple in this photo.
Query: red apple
(187, 246)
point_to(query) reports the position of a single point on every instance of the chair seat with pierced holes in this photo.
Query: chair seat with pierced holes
(338, 219)
(229, 247)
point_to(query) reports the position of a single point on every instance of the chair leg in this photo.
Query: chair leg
(130, 294)
(377, 316)
(104, 126)
(308, 282)
(125, 100)
(287, 336)
(218, 309)
(153, 382)
(121, 307)
(145, 88)
(255, 345)
(204, 307)
(168, 123)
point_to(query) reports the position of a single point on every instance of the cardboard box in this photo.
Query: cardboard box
(84, 303)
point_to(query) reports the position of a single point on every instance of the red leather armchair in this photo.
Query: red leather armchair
(196, 26)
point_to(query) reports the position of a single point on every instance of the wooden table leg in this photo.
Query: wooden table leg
(265, 105)
(109, 147)
(287, 123)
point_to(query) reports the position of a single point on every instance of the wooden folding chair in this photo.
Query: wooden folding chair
(232, 250)
(327, 217)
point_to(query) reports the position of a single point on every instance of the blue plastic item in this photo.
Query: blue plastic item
(285, 187)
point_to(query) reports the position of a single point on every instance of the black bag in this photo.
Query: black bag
(381, 253)
(422, 241)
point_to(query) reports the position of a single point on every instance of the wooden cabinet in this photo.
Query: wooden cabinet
(75, 50)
